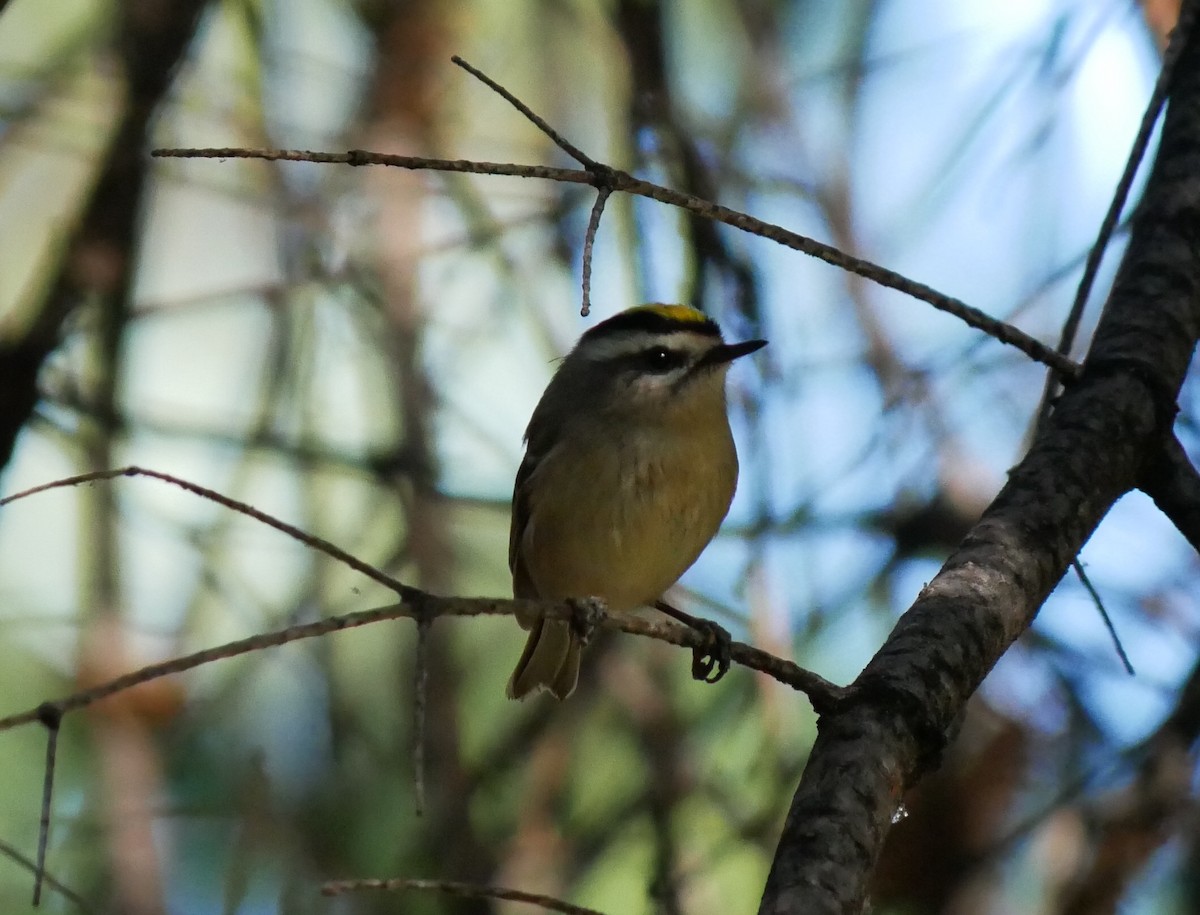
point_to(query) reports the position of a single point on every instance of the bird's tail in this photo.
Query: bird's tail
(550, 661)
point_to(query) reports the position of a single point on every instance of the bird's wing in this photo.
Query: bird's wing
(522, 586)
(541, 435)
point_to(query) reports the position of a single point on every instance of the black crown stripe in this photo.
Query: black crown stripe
(655, 320)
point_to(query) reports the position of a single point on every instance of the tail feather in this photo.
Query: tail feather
(550, 661)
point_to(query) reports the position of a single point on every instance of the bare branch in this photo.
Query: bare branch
(466, 890)
(589, 242)
(13, 855)
(418, 605)
(823, 694)
(1158, 98)
(1084, 580)
(537, 120)
(897, 716)
(1172, 481)
(51, 719)
(622, 181)
(324, 546)
(1091, 267)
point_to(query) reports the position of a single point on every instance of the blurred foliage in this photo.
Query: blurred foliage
(356, 351)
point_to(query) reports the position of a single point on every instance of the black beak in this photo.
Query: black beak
(727, 352)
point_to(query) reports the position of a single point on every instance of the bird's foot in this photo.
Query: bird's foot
(712, 657)
(586, 614)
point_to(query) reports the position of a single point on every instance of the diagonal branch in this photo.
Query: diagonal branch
(536, 119)
(1158, 98)
(904, 706)
(1141, 142)
(1172, 481)
(405, 592)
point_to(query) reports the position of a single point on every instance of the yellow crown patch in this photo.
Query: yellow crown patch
(680, 313)
(655, 319)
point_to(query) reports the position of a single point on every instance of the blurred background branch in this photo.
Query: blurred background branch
(356, 351)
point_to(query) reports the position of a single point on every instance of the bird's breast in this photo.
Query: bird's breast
(629, 526)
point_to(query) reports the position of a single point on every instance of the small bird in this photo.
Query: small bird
(629, 470)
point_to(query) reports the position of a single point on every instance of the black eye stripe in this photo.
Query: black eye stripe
(661, 359)
(655, 359)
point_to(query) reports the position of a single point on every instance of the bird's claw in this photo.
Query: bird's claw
(586, 614)
(711, 658)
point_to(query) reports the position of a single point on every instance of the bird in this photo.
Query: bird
(629, 470)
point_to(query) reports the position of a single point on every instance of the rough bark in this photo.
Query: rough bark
(1105, 429)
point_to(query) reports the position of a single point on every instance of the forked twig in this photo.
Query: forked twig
(601, 176)
(618, 180)
(416, 605)
(532, 116)
(606, 179)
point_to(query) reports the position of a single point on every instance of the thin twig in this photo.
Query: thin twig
(1154, 108)
(1158, 98)
(405, 592)
(58, 886)
(597, 169)
(51, 717)
(467, 890)
(537, 120)
(623, 181)
(417, 604)
(83, 698)
(1108, 623)
(420, 704)
(589, 242)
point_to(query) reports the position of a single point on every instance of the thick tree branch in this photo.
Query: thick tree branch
(1171, 480)
(905, 704)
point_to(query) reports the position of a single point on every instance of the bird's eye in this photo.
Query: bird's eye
(662, 359)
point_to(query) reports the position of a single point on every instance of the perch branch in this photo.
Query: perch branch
(415, 604)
